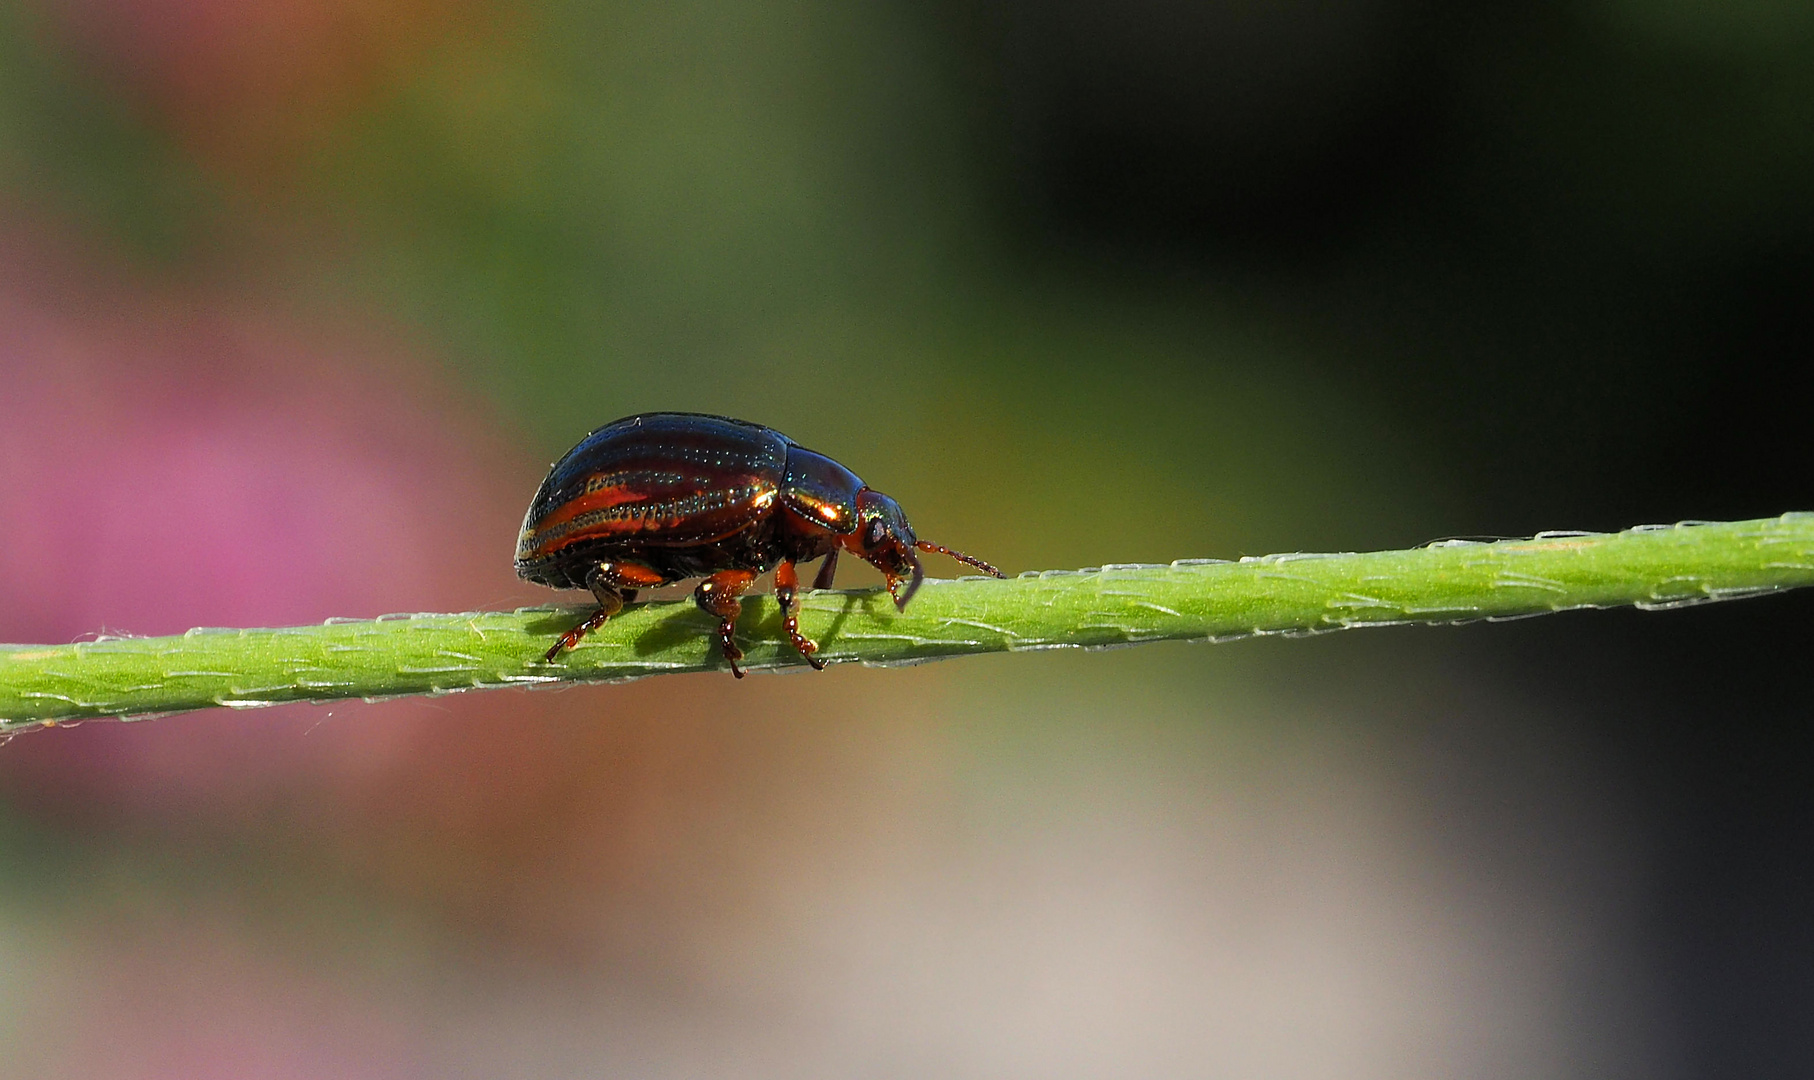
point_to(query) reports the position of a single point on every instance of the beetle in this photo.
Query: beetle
(657, 498)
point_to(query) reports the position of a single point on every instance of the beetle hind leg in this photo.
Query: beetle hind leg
(787, 584)
(720, 595)
(610, 602)
(609, 584)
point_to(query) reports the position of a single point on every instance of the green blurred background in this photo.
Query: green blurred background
(298, 298)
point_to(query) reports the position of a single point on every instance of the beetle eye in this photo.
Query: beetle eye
(873, 536)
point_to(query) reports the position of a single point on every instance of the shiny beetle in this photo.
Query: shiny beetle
(661, 497)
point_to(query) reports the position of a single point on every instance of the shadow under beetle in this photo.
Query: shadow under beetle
(661, 497)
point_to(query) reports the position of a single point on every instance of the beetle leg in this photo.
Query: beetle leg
(827, 570)
(607, 582)
(610, 602)
(786, 584)
(718, 595)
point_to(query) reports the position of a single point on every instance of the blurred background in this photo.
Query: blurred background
(298, 298)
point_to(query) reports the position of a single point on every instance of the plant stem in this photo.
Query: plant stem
(1279, 594)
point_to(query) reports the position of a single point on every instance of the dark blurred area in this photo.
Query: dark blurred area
(1572, 247)
(298, 296)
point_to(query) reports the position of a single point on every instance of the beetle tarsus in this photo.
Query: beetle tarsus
(790, 622)
(728, 642)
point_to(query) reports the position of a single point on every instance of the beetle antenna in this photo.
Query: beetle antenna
(960, 557)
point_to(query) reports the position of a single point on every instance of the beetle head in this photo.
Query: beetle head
(884, 540)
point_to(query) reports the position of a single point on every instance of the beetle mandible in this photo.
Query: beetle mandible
(661, 497)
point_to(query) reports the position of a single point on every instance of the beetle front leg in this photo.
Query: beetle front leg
(719, 595)
(787, 583)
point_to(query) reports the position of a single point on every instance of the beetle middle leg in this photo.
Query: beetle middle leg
(612, 586)
(787, 583)
(719, 595)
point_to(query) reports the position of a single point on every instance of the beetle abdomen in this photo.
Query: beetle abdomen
(632, 503)
(657, 480)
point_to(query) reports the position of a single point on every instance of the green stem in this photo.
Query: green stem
(1277, 594)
